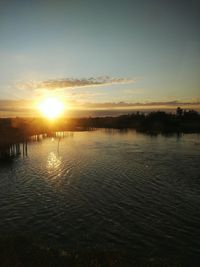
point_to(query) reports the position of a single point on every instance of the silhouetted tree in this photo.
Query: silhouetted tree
(179, 112)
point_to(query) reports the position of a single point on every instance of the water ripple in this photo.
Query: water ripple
(129, 191)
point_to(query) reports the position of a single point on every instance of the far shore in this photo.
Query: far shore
(18, 130)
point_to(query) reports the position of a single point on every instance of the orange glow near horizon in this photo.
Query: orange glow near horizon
(51, 108)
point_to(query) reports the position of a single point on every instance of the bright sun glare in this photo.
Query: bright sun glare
(51, 108)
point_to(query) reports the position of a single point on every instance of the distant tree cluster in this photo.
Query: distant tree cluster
(154, 122)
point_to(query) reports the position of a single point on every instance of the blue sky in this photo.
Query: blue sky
(155, 44)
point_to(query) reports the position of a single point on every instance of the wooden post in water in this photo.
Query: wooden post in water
(26, 148)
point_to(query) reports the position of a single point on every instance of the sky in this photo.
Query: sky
(99, 54)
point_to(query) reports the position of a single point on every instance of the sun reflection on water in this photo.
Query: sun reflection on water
(53, 162)
(54, 169)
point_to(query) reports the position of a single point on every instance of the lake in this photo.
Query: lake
(106, 189)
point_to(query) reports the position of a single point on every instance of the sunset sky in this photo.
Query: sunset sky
(99, 54)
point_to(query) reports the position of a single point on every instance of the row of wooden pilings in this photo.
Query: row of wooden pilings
(14, 150)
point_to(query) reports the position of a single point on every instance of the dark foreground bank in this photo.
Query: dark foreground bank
(26, 251)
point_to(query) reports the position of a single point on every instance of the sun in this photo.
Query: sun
(51, 108)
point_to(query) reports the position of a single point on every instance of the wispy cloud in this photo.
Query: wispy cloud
(26, 107)
(15, 108)
(124, 105)
(67, 83)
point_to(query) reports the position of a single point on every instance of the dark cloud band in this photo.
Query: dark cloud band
(75, 83)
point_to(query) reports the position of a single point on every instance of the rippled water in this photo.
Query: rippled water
(106, 189)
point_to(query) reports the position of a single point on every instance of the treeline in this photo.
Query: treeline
(183, 121)
(154, 122)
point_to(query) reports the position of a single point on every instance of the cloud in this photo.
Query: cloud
(13, 108)
(117, 105)
(69, 83)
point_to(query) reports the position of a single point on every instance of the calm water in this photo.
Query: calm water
(106, 189)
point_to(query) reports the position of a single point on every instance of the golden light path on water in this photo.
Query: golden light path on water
(53, 162)
(53, 168)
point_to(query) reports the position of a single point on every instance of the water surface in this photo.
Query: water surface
(106, 189)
